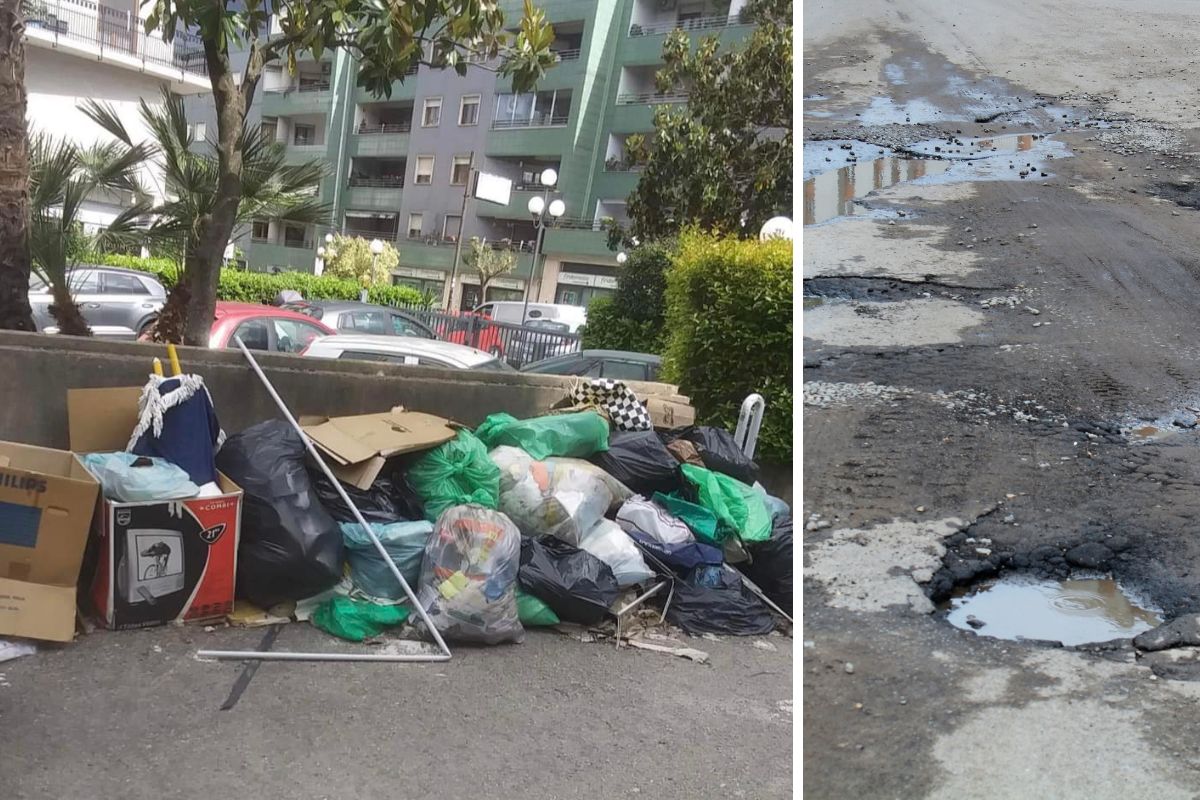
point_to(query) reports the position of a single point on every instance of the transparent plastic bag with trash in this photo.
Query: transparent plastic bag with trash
(469, 575)
(549, 498)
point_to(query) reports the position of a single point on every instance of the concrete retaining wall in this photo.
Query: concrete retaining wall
(37, 370)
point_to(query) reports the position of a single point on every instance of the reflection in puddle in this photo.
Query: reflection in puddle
(1072, 612)
(977, 148)
(832, 194)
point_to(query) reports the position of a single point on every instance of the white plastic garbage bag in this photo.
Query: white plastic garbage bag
(549, 498)
(607, 542)
(640, 515)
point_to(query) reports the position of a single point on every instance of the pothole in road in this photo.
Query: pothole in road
(1079, 610)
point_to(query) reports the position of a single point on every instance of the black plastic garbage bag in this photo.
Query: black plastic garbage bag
(389, 499)
(718, 451)
(290, 547)
(714, 600)
(681, 557)
(770, 566)
(641, 461)
(576, 585)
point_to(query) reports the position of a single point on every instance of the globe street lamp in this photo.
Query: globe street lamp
(376, 249)
(622, 257)
(777, 228)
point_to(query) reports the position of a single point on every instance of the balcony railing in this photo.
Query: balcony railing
(387, 236)
(299, 244)
(643, 98)
(310, 86)
(570, 54)
(384, 127)
(580, 223)
(537, 121)
(693, 24)
(394, 182)
(113, 30)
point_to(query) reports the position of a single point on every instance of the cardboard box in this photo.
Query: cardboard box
(162, 560)
(669, 413)
(359, 446)
(46, 503)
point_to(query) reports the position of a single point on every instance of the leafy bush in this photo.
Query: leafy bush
(729, 323)
(633, 318)
(354, 260)
(262, 287)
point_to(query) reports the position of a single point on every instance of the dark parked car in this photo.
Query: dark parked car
(616, 364)
(347, 316)
(117, 303)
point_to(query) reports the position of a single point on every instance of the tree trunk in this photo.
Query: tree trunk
(66, 313)
(202, 265)
(15, 313)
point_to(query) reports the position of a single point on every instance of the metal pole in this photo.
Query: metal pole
(462, 221)
(337, 484)
(749, 422)
(537, 249)
(257, 655)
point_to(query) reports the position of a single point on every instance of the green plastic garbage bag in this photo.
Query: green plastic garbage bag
(533, 613)
(736, 506)
(355, 620)
(701, 521)
(577, 435)
(456, 473)
(405, 544)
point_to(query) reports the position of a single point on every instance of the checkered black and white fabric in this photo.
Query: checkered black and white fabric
(622, 405)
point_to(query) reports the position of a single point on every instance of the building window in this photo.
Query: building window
(468, 110)
(268, 128)
(460, 171)
(450, 227)
(416, 225)
(424, 170)
(431, 112)
(260, 230)
(304, 134)
(199, 132)
(532, 109)
(293, 236)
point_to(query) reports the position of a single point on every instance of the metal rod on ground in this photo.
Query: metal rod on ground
(337, 484)
(634, 603)
(235, 655)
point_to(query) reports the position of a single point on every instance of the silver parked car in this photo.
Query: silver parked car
(117, 303)
(404, 350)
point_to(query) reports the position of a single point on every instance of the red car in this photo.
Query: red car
(264, 328)
(475, 330)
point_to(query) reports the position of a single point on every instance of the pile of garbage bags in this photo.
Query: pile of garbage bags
(520, 523)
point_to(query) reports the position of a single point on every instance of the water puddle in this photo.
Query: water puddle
(839, 174)
(1074, 612)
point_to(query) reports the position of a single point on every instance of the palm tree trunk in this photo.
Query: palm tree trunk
(66, 312)
(15, 313)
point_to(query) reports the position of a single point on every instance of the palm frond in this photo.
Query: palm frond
(104, 115)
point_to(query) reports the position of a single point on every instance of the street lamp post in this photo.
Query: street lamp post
(539, 207)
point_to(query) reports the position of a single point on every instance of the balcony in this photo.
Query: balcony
(381, 139)
(650, 98)
(568, 54)
(708, 23)
(305, 98)
(301, 153)
(534, 121)
(376, 193)
(116, 37)
(261, 256)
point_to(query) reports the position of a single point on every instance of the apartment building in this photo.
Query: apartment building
(77, 50)
(400, 166)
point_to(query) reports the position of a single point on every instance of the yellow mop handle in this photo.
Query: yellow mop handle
(175, 368)
(158, 368)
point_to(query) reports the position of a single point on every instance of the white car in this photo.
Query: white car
(404, 350)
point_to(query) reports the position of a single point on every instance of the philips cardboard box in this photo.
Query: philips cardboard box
(157, 561)
(46, 504)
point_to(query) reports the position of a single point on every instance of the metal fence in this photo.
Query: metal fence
(519, 345)
(113, 30)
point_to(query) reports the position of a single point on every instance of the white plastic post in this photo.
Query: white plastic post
(749, 422)
(412, 598)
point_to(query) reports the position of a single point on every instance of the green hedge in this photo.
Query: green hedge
(262, 287)
(729, 328)
(632, 319)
